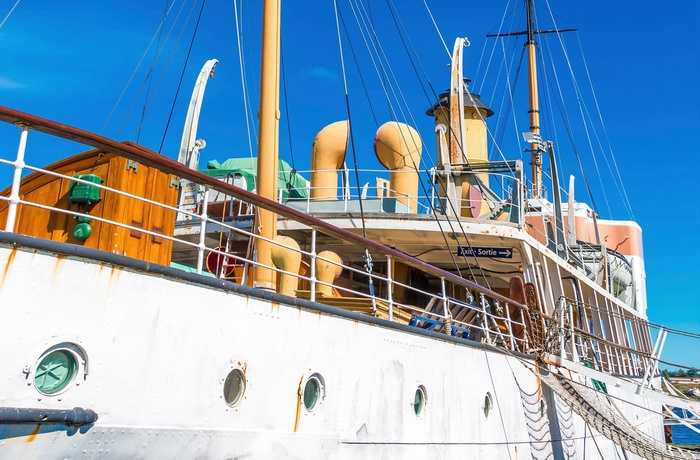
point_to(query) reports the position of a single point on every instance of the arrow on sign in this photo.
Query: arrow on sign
(495, 253)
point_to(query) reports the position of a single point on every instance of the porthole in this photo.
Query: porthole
(313, 392)
(488, 404)
(234, 387)
(55, 371)
(419, 400)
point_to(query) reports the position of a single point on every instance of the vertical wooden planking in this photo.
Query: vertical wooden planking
(56, 225)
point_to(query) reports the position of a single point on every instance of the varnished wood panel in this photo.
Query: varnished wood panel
(145, 182)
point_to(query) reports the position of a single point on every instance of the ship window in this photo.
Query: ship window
(234, 387)
(488, 404)
(313, 392)
(55, 371)
(419, 400)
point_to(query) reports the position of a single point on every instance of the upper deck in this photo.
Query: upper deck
(481, 279)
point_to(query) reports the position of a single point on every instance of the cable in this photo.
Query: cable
(149, 76)
(9, 13)
(498, 404)
(605, 131)
(693, 335)
(170, 58)
(397, 20)
(133, 74)
(244, 80)
(357, 10)
(357, 65)
(437, 29)
(182, 75)
(286, 109)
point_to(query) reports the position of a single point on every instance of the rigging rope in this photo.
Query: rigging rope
(585, 114)
(611, 313)
(286, 110)
(677, 331)
(483, 79)
(149, 76)
(143, 84)
(435, 96)
(590, 129)
(350, 130)
(244, 80)
(182, 75)
(382, 57)
(138, 65)
(9, 13)
(434, 213)
(635, 319)
(170, 58)
(564, 113)
(498, 404)
(365, 31)
(605, 132)
(437, 29)
(397, 21)
(368, 256)
(510, 91)
(605, 417)
(580, 104)
(357, 66)
(287, 177)
(607, 420)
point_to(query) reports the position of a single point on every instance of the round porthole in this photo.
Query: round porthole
(313, 392)
(234, 387)
(55, 371)
(419, 400)
(488, 404)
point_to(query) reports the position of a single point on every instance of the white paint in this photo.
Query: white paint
(159, 347)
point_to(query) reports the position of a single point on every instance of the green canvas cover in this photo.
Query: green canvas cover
(292, 185)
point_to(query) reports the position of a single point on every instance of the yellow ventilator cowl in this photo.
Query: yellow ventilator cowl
(286, 256)
(327, 156)
(398, 147)
(327, 271)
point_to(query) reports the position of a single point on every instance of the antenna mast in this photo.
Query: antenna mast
(536, 146)
(535, 150)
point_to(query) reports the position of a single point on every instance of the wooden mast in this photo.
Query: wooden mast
(536, 146)
(535, 152)
(266, 221)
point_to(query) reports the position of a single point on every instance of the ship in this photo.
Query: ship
(152, 309)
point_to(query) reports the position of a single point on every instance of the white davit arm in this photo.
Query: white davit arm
(190, 146)
(188, 154)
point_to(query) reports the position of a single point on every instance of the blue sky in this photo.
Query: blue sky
(70, 61)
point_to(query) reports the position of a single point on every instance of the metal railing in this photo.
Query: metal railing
(451, 304)
(499, 184)
(564, 339)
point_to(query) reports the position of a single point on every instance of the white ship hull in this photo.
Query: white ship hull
(158, 351)
(470, 317)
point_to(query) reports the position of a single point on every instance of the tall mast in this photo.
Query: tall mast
(536, 147)
(266, 221)
(535, 152)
